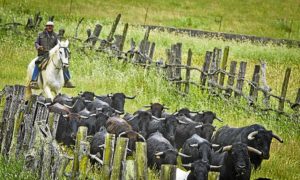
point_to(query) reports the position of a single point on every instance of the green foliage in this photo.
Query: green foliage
(13, 169)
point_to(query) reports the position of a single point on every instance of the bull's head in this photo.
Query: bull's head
(118, 100)
(200, 169)
(156, 109)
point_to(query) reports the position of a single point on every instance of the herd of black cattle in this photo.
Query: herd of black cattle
(231, 151)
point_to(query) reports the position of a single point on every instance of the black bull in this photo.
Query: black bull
(255, 136)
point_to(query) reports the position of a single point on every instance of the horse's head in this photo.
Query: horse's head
(64, 52)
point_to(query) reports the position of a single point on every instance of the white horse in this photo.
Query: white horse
(52, 79)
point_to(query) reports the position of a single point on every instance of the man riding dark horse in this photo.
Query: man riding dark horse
(45, 41)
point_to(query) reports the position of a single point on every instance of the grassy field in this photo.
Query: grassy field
(99, 74)
(271, 18)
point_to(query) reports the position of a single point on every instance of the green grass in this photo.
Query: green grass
(103, 75)
(271, 18)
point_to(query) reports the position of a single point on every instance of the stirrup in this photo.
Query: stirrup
(34, 85)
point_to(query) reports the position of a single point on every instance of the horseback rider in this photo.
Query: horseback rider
(45, 41)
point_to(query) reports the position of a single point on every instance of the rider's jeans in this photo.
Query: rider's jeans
(35, 73)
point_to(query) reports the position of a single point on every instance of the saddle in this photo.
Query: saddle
(42, 62)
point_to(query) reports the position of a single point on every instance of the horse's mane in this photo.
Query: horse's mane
(56, 48)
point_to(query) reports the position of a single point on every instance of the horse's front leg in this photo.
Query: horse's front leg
(48, 93)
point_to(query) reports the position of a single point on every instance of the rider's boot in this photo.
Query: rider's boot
(67, 76)
(33, 82)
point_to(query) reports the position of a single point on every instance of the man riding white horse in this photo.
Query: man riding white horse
(45, 41)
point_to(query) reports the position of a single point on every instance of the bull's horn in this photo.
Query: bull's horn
(251, 149)
(99, 109)
(87, 101)
(227, 148)
(175, 113)
(109, 95)
(67, 106)
(84, 117)
(96, 158)
(187, 165)
(194, 145)
(219, 119)
(81, 93)
(200, 112)
(215, 145)
(159, 153)
(93, 115)
(117, 111)
(182, 122)
(129, 150)
(142, 137)
(122, 133)
(198, 126)
(277, 137)
(251, 135)
(66, 115)
(133, 117)
(215, 168)
(166, 107)
(102, 146)
(183, 155)
(130, 97)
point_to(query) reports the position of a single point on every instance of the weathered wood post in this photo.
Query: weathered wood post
(6, 100)
(108, 154)
(223, 67)
(18, 96)
(231, 76)
(284, 89)
(123, 37)
(119, 159)
(240, 79)
(96, 34)
(168, 62)
(113, 28)
(178, 59)
(81, 136)
(53, 122)
(254, 85)
(141, 161)
(151, 53)
(205, 68)
(213, 75)
(60, 164)
(168, 172)
(296, 105)
(47, 152)
(188, 72)
(84, 150)
(265, 87)
(130, 170)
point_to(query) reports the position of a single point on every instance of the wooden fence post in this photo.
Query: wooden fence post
(123, 37)
(240, 79)
(47, 152)
(168, 172)
(231, 76)
(254, 85)
(141, 161)
(188, 72)
(108, 155)
(119, 159)
(213, 75)
(265, 87)
(60, 164)
(95, 34)
(8, 96)
(178, 59)
(284, 89)
(53, 122)
(151, 53)
(168, 62)
(296, 105)
(130, 170)
(18, 95)
(81, 136)
(223, 67)
(83, 159)
(113, 28)
(205, 68)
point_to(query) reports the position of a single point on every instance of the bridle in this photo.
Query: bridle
(67, 52)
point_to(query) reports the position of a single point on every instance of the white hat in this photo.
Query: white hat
(49, 23)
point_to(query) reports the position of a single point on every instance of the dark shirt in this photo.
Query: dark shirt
(46, 39)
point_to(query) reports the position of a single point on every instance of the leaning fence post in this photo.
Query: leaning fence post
(223, 67)
(119, 159)
(254, 85)
(113, 28)
(178, 59)
(141, 161)
(81, 136)
(205, 68)
(151, 53)
(188, 72)
(96, 34)
(284, 89)
(230, 80)
(123, 37)
(240, 79)
(213, 70)
(108, 154)
(168, 62)
(168, 172)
